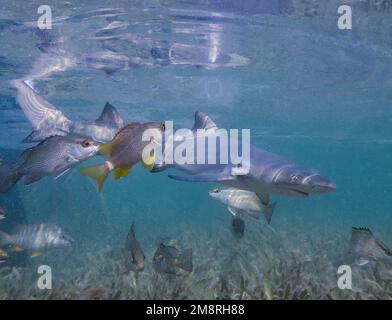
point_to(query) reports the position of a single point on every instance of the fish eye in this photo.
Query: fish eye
(86, 144)
(163, 127)
(215, 191)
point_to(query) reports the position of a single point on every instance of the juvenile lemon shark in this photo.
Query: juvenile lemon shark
(48, 121)
(267, 173)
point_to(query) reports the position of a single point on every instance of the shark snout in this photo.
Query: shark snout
(319, 184)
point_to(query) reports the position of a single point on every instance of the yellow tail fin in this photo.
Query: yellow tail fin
(121, 172)
(98, 173)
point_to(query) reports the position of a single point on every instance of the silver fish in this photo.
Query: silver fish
(368, 248)
(54, 156)
(238, 201)
(133, 253)
(37, 238)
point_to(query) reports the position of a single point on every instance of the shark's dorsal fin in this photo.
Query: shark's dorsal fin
(202, 121)
(110, 116)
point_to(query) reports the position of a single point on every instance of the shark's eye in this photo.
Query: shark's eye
(86, 143)
(215, 191)
(163, 127)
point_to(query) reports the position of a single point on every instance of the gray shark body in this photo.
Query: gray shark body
(267, 173)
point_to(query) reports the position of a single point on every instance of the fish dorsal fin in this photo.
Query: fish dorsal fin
(202, 121)
(110, 116)
(125, 129)
(362, 229)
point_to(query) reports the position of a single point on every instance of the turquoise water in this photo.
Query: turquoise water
(308, 91)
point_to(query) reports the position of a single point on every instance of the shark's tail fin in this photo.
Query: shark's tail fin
(268, 211)
(185, 260)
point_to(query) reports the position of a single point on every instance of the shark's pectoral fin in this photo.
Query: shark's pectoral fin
(204, 177)
(264, 198)
(268, 212)
(235, 212)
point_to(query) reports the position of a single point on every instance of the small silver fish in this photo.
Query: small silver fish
(133, 253)
(238, 201)
(368, 248)
(37, 238)
(54, 156)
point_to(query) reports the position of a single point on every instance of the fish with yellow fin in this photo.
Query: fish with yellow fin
(124, 151)
(36, 238)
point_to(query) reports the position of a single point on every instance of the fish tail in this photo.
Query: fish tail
(10, 177)
(5, 238)
(185, 260)
(98, 172)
